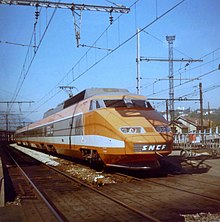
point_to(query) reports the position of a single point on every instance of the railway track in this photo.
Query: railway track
(72, 200)
(209, 190)
(131, 198)
(174, 196)
(23, 201)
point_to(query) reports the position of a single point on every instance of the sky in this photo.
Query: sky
(107, 57)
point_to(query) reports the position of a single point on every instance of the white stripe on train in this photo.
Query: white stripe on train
(86, 140)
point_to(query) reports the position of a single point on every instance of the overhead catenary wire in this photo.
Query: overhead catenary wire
(15, 43)
(205, 90)
(163, 42)
(177, 72)
(202, 75)
(110, 52)
(194, 93)
(20, 77)
(195, 78)
(84, 56)
(19, 85)
(73, 71)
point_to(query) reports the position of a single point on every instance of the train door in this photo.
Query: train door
(76, 131)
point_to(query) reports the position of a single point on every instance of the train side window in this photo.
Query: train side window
(94, 104)
(49, 131)
(78, 123)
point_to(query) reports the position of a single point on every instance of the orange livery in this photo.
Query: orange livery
(103, 125)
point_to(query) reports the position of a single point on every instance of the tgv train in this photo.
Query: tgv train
(103, 125)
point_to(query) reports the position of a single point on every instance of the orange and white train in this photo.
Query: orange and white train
(103, 125)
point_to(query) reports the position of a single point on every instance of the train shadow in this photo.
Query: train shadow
(171, 165)
(178, 165)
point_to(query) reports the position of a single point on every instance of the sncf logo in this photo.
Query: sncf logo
(154, 147)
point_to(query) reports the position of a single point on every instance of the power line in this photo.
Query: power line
(65, 5)
(196, 78)
(18, 88)
(112, 51)
(73, 7)
(55, 5)
(130, 38)
(20, 81)
(14, 43)
(210, 53)
(170, 40)
(169, 60)
(79, 61)
(153, 36)
(192, 79)
(212, 87)
(185, 96)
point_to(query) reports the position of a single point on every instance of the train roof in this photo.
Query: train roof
(84, 95)
(92, 92)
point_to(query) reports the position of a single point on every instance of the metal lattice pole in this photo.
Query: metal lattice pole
(170, 40)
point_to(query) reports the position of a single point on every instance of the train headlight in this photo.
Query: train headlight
(162, 129)
(132, 130)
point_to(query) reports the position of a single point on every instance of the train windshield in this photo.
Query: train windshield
(127, 103)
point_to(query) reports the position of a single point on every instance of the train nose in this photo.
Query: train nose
(146, 144)
(154, 138)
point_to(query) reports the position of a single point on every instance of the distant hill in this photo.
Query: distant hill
(212, 115)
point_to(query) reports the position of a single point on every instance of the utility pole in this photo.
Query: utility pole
(170, 40)
(13, 122)
(167, 109)
(201, 111)
(170, 59)
(181, 99)
(7, 112)
(209, 115)
(6, 117)
(73, 7)
(138, 63)
(6, 120)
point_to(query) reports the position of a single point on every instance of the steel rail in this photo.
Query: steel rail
(128, 176)
(184, 190)
(147, 216)
(174, 187)
(150, 218)
(55, 212)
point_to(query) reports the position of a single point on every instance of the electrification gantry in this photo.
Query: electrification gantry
(171, 79)
(73, 7)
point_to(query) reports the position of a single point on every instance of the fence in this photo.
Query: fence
(209, 139)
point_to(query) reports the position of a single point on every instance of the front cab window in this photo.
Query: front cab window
(127, 103)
